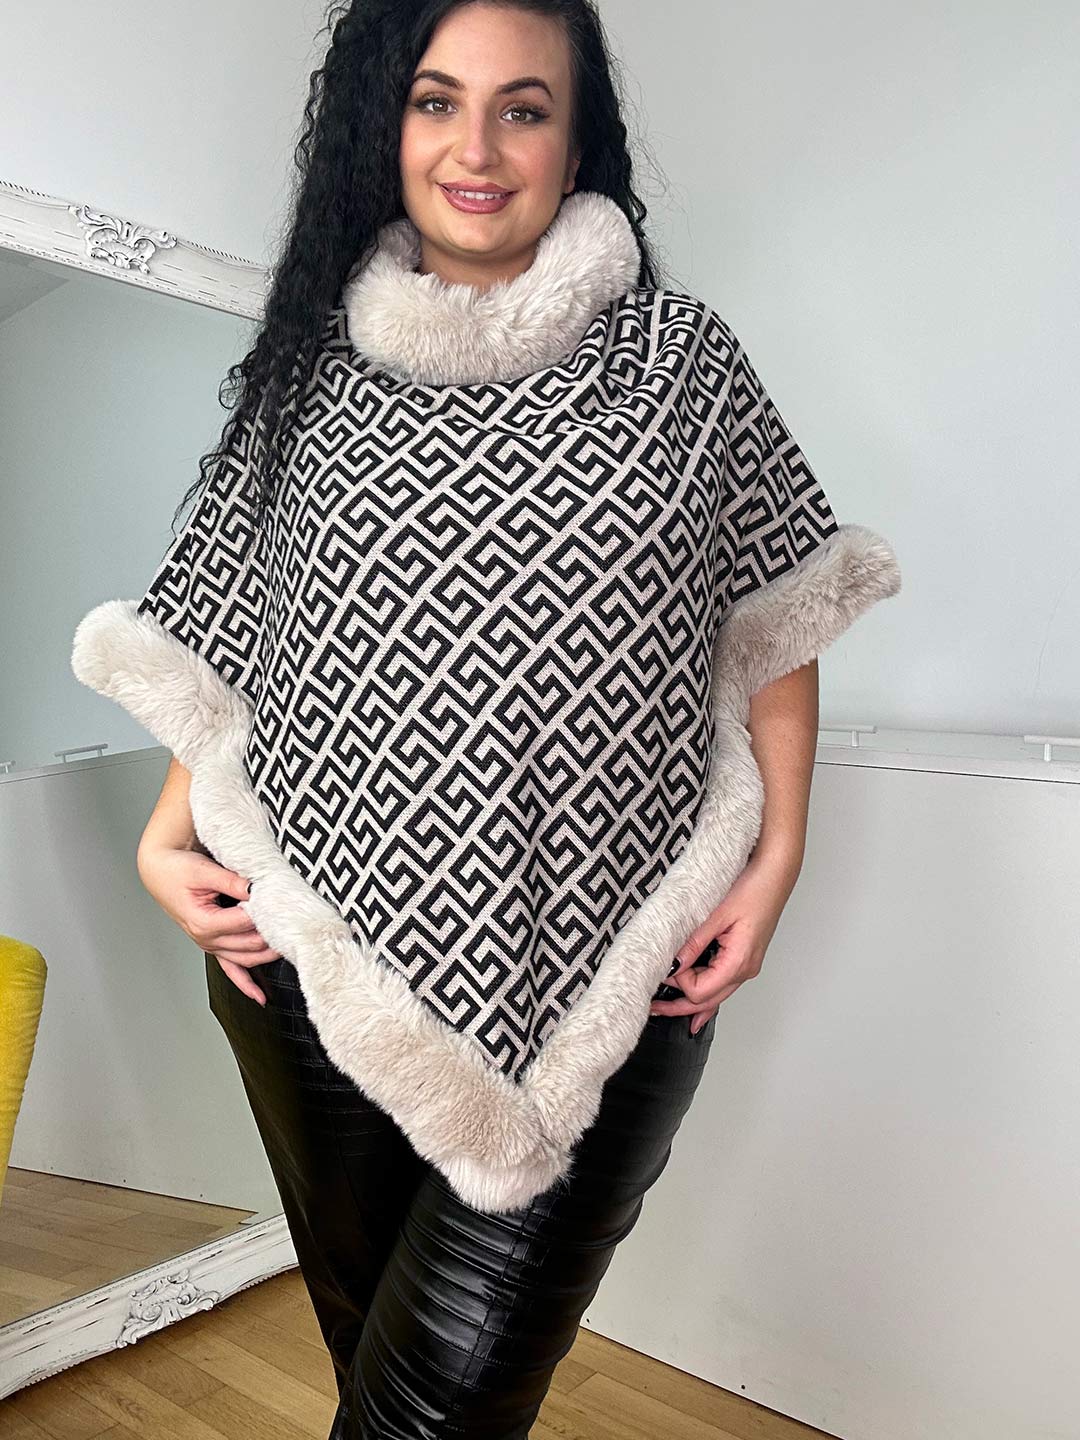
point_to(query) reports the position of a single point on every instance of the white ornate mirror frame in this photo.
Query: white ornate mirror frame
(122, 1312)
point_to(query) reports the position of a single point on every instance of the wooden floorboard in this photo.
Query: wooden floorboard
(255, 1368)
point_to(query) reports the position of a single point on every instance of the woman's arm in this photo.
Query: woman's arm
(170, 825)
(783, 727)
(186, 881)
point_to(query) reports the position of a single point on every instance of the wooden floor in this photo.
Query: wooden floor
(255, 1368)
(61, 1237)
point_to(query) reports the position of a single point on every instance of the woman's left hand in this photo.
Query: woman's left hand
(742, 925)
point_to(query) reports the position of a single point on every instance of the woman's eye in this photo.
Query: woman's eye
(530, 111)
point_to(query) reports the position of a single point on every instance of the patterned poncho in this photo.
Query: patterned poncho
(470, 715)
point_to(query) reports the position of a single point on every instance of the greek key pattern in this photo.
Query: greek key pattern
(479, 653)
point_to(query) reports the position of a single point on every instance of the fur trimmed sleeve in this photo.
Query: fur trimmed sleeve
(774, 511)
(790, 577)
(210, 588)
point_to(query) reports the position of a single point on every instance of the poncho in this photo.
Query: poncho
(471, 718)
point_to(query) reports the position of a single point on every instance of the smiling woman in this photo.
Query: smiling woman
(458, 648)
(469, 129)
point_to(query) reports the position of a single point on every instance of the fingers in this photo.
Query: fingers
(230, 929)
(686, 1005)
(699, 949)
(241, 979)
(247, 959)
(244, 947)
(240, 937)
(698, 1017)
(698, 985)
(209, 903)
(674, 1007)
(216, 877)
(720, 962)
(695, 960)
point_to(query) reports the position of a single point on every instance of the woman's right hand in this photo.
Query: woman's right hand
(186, 884)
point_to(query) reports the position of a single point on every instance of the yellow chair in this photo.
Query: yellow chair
(22, 990)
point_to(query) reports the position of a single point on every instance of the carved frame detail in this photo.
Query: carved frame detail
(127, 1309)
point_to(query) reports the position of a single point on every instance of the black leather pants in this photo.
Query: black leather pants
(442, 1322)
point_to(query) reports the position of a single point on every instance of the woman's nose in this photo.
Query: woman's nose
(476, 148)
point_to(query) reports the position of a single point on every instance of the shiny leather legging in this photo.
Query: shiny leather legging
(442, 1322)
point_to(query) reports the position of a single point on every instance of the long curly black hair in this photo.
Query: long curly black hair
(347, 185)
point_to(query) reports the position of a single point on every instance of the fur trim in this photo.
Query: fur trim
(498, 1143)
(421, 328)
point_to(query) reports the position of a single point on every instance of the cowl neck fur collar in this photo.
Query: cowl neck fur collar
(423, 329)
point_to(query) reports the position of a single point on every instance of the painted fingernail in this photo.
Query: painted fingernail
(674, 966)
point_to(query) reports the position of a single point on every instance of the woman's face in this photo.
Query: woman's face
(463, 127)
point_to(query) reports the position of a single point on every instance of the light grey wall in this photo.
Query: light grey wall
(882, 201)
(181, 116)
(109, 398)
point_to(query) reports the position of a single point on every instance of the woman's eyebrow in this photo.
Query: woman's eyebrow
(524, 83)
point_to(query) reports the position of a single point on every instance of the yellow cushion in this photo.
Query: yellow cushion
(22, 990)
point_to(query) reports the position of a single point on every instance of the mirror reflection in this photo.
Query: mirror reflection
(133, 1143)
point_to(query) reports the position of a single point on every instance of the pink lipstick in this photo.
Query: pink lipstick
(478, 199)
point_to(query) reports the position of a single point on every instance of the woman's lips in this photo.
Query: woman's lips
(487, 206)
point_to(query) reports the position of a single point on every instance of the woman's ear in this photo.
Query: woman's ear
(571, 171)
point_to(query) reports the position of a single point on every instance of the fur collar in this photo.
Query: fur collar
(424, 329)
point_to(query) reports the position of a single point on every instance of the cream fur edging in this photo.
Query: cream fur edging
(432, 333)
(498, 1143)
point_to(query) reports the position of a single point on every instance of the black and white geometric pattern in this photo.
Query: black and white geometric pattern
(479, 652)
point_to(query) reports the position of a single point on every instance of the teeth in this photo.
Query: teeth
(475, 194)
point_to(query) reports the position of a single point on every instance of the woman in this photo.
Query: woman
(435, 657)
